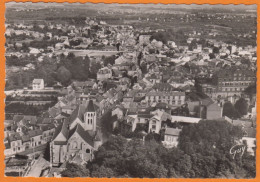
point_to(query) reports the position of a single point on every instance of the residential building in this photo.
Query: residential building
(38, 84)
(171, 137)
(104, 74)
(171, 98)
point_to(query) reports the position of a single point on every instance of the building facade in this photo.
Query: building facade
(38, 84)
(171, 98)
(234, 81)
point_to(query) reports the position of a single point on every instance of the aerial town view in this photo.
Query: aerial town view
(130, 90)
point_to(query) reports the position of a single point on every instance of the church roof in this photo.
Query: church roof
(82, 133)
(62, 128)
(90, 107)
(81, 110)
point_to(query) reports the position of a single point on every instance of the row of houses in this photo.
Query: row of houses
(24, 133)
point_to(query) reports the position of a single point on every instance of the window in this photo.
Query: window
(18, 148)
(87, 151)
(82, 144)
(153, 127)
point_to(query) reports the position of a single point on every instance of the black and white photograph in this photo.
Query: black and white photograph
(130, 90)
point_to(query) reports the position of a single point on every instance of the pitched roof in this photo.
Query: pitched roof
(62, 128)
(14, 137)
(47, 127)
(172, 131)
(82, 133)
(90, 107)
(37, 81)
(17, 118)
(8, 122)
(25, 138)
(206, 101)
(34, 133)
(53, 112)
(47, 120)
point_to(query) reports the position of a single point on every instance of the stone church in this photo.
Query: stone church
(76, 139)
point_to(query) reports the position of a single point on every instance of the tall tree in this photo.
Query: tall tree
(63, 75)
(241, 106)
(230, 111)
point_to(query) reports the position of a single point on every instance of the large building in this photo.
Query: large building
(230, 82)
(171, 98)
(76, 138)
(234, 81)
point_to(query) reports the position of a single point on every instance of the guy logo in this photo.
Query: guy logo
(237, 149)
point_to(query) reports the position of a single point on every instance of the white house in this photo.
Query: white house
(38, 84)
(171, 137)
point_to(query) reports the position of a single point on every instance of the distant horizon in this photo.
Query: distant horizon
(160, 5)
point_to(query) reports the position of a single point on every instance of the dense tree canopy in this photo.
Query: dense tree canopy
(109, 60)
(75, 170)
(64, 75)
(203, 152)
(62, 69)
(78, 66)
